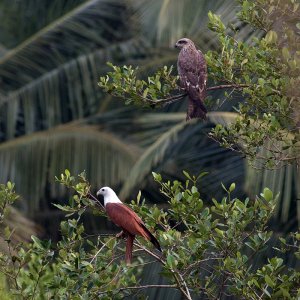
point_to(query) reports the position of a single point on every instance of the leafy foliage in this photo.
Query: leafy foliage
(265, 70)
(206, 250)
(269, 69)
(123, 83)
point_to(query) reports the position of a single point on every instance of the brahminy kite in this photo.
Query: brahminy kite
(127, 219)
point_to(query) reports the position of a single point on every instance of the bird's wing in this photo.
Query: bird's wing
(193, 73)
(130, 222)
(125, 218)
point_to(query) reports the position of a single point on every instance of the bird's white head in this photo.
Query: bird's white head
(109, 195)
(182, 43)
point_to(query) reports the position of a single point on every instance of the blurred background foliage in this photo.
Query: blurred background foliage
(54, 116)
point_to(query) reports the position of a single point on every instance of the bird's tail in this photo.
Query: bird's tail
(196, 109)
(129, 246)
(152, 238)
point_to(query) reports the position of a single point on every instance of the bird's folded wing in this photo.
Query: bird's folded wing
(126, 218)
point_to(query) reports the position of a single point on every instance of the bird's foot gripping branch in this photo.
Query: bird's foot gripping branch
(209, 249)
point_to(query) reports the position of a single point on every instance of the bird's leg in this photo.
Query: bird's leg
(121, 235)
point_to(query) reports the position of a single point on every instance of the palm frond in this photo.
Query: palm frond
(166, 21)
(185, 146)
(34, 160)
(21, 227)
(83, 30)
(284, 180)
(21, 19)
(63, 94)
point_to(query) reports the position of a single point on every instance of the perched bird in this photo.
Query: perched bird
(127, 219)
(192, 71)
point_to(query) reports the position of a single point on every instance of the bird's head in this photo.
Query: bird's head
(108, 195)
(182, 43)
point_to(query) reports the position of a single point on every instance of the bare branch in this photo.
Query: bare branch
(165, 101)
(227, 86)
(104, 245)
(181, 284)
(178, 97)
(149, 286)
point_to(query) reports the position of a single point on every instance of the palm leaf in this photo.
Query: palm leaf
(34, 160)
(283, 180)
(60, 84)
(48, 100)
(83, 30)
(21, 19)
(185, 18)
(186, 146)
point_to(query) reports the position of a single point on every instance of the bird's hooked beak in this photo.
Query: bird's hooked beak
(176, 45)
(99, 194)
(100, 197)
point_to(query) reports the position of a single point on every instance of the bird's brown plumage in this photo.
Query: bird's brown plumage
(192, 72)
(131, 224)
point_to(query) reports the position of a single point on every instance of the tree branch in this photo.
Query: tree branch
(180, 96)
(149, 286)
(181, 284)
(141, 287)
(227, 86)
(104, 245)
(165, 100)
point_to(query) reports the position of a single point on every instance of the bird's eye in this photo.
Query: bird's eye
(103, 190)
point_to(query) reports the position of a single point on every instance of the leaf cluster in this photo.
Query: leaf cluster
(123, 82)
(7, 197)
(263, 74)
(269, 67)
(207, 250)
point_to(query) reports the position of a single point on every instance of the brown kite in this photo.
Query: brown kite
(192, 72)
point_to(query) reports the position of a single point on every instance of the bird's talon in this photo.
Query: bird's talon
(121, 235)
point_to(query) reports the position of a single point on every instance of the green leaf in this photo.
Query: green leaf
(219, 232)
(285, 53)
(63, 207)
(37, 242)
(202, 175)
(171, 261)
(187, 175)
(267, 194)
(157, 176)
(271, 37)
(269, 281)
(194, 190)
(244, 61)
(232, 187)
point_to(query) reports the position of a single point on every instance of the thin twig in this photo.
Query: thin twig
(104, 245)
(165, 100)
(97, 201)
(148, 286)
(180, 96)
(37, 280)
(172, 286)
(190, 267)
(227, 86)
(181, 284)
